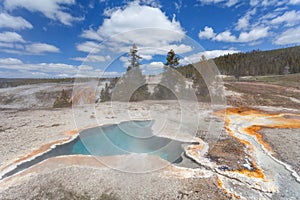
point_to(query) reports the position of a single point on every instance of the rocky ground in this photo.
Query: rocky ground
(76, 181)
(28, 126)
(262, 94)
(35, 96)
(21, 132)
(229, 153)
(285, 143)
(25, 131)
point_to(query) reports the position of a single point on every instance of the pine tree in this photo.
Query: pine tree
(105, 94)
(64, 100)
(257, 63)
(172, 83)
(134, 58)
(172, 59)
(133, 82)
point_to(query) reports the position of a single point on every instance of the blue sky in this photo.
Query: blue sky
(66, 38)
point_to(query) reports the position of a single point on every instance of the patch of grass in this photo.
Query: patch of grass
(108, 196)
(289, 80)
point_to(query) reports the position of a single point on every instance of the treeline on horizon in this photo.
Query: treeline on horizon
(14, 82)
(259, 63)
(256, 63)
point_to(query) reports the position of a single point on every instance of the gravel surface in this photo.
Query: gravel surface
(21, 132)
(285, 144)
(92, 183)
(33, 96)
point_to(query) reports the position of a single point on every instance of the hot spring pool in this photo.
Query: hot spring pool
(117, 139)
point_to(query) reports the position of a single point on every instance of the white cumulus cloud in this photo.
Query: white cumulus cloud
(13, 43)
(153, 66)
(8, 21)
(226, 36)
(290, 18)
(290, 36)
(91, 34)
(208, 54)
(244, 22)
(92, 58)
(6, 45)
(207, 33)
(294, 2)
(133, 17)
(10, 61)
(52, 9)
(139, 22)
(89, 47)
(38, 48)
(136, 16)
(253, 35)
(228, 3)
(11, 37)
(28, 70)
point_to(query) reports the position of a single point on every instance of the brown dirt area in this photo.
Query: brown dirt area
(228, 152)
(262, 94)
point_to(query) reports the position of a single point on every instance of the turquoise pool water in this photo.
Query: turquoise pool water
(126, 138)
(118, 139)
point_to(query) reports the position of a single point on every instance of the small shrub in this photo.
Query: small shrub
(108, 196)
(63, 100)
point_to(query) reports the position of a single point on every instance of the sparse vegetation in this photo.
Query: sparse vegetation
(132, 86)
(64, 100)
(289, 80)
(171, 83)
(109, 196)
(191, 72)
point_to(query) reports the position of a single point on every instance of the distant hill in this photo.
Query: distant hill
(258, 62)
(14, 82)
